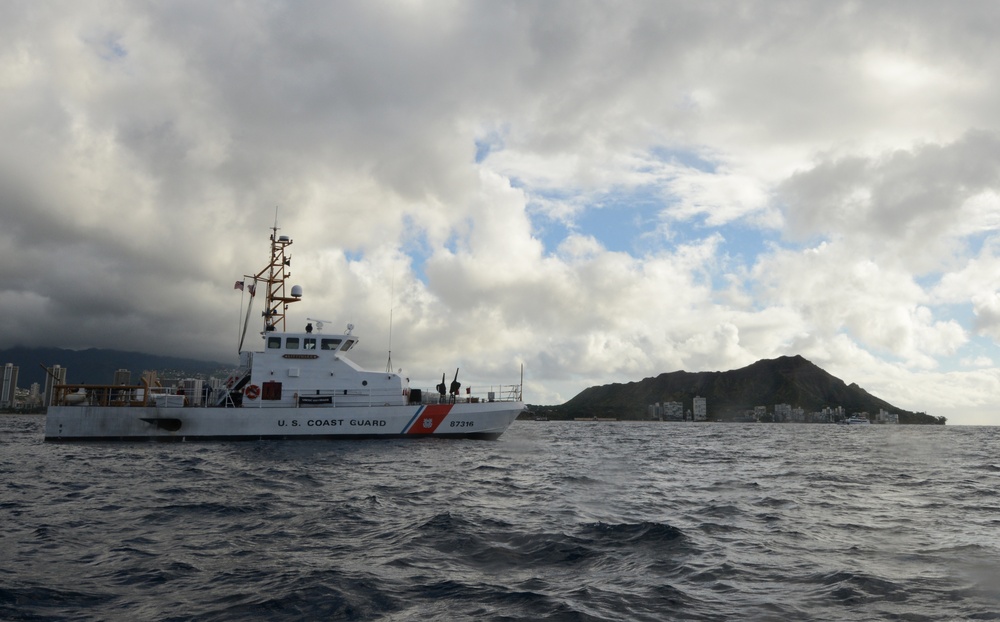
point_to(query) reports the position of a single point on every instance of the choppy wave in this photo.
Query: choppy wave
(556, 521)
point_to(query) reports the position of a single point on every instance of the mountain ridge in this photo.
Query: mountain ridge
(790, 380)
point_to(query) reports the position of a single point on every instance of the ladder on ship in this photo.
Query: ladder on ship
(226, 397)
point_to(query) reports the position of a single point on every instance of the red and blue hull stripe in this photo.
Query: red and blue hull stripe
(427, 419)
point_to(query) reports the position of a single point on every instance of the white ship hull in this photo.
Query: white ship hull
(481, 420)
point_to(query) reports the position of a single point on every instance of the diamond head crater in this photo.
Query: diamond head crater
(752, 393)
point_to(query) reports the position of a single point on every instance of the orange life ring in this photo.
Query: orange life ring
(252, 392)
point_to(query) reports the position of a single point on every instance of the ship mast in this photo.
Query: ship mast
(273, 277)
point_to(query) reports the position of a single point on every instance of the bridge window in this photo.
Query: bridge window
(330, 344)
(309, 343)
(347, 345)
(273, 343)
(292, 343)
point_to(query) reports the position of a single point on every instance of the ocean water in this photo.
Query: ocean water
(555, 521)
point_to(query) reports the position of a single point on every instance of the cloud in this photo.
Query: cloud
(918, 202)
(987, 310)
(599, 192)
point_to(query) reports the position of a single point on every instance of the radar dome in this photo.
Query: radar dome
(296, 291)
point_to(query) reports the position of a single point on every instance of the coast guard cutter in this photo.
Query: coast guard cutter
(295, 385)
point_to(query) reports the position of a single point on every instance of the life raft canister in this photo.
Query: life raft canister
(252, 392)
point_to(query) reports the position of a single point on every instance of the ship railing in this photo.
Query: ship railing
(105, 394)
(385, 397)
(499, 393)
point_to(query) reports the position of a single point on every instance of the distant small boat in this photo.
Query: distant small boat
(541, 418)
(856, 420)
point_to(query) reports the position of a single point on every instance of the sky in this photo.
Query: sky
(596, 191)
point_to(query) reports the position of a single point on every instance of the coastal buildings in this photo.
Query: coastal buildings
(194, 389)
(885, 416)
(667, 411)
(674, 411)
(780, 413)
(40, 394)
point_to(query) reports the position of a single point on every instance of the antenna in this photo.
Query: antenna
(273, 277)
(392, 297)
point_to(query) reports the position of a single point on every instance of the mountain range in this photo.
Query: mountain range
(789, 380)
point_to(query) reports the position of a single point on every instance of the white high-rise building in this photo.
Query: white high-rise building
(8, 386)
(191, 389)
(56, 375)
(700, 409)
(673, 411)
(782, 412)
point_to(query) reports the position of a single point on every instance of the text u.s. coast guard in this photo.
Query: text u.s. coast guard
(319, 423)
